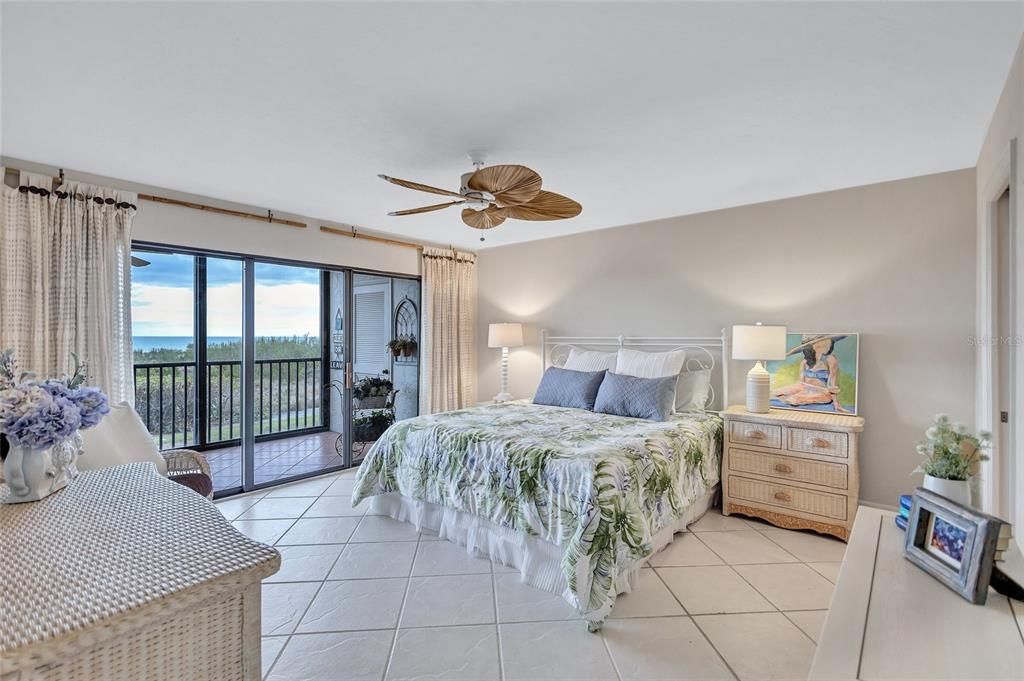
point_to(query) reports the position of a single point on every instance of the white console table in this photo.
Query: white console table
(126, 575)
(889, 620)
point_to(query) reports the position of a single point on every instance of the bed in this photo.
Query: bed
(574, 500)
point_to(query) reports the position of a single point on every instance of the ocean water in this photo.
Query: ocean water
(174, 342)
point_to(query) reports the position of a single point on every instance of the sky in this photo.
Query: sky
(287, 298)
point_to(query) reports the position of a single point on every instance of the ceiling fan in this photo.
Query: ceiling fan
(490, 195)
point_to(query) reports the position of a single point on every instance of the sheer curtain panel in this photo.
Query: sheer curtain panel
(65, 280)
(449, 322)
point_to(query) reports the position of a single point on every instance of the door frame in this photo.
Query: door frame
(248, 263)
(999, 496)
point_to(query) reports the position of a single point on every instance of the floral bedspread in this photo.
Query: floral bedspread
(600, 486)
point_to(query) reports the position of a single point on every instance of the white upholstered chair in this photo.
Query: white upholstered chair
(121, 437)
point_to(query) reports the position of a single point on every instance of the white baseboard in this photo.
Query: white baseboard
(881, 507)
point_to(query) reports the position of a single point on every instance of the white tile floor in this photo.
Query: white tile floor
(366, 597)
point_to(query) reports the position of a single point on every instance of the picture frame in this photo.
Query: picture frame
(819, 373)
(953, 543)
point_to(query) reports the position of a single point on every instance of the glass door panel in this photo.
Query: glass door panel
(222, 416)
(385, 356)
(164, 342)
(288, 374)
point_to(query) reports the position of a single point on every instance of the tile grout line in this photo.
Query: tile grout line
(401, 610)
(497, 627)
(280, 653)
(288, 640)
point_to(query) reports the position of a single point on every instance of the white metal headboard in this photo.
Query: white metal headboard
(703, 352)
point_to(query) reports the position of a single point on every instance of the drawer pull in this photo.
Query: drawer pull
(782, 496)
(756, 435)
(821, 443)
(783, 468)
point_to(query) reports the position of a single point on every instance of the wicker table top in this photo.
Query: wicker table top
(115, 548)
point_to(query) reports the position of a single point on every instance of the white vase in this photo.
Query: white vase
(956, 490)
(34, 474)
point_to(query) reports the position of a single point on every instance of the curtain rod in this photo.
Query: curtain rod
(354, 234)
(268, 218)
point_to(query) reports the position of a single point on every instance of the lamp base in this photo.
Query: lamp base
(758, 390)
(503, 397)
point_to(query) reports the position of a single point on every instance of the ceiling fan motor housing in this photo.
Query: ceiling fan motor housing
(475, 200)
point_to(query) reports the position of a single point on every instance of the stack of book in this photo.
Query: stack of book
(1003, 543)
(1005, 532)
(904, 515)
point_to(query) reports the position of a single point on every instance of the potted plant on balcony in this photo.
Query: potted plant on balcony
(951, 458)
(369, 427)
(371, 392)
(409, 346)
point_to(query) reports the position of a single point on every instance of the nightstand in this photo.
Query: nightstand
(795, 469)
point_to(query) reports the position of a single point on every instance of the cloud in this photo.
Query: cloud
(282, 309)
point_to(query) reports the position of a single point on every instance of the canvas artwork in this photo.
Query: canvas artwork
(818, 374)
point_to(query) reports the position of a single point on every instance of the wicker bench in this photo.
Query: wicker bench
(125, 574)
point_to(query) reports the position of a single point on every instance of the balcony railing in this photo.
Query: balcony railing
(288, 396)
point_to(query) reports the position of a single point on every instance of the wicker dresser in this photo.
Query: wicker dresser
(794, 469)
(127, 575)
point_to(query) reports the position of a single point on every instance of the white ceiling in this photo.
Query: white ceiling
(638, 111)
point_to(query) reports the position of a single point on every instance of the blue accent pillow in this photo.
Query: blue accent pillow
(641, 398)
(567, 388)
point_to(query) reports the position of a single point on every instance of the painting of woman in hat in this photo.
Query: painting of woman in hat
(815, 385)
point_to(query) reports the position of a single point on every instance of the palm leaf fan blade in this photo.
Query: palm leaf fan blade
(426, 209)
(483, 219)
(511, 185)
(546, 206)
(409, 184)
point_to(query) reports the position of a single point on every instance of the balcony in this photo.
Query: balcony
(288, 401)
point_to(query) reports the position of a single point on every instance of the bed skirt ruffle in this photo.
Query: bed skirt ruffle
(538, 561)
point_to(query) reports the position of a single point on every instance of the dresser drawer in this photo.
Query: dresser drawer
(784, 496)
(817, 442)
(756, 434)
(789, 468)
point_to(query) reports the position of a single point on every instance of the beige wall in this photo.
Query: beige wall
(997, 162)
(178, 226)
(893, 261)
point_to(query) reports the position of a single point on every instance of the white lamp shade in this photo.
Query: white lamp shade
(758, 342)
(505, 335)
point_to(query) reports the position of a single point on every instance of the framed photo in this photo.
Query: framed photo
(818, 374)
(953, 543)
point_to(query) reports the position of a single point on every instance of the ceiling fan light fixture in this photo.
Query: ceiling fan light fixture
(490, 195)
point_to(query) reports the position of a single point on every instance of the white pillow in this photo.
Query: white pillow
(650, 364)
(692, 390)
(590, 360)
(119, 438)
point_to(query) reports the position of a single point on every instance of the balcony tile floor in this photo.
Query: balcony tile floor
(275, 459)
(361, 596)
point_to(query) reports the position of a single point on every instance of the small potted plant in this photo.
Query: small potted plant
(409, 346)
(951, 458)
(395, 345)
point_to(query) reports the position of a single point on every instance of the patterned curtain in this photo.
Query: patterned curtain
(65, 280)
(449, 322)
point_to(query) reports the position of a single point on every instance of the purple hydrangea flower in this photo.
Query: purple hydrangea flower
(41, 414)
(92, 404)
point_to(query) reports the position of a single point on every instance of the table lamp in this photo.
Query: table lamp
(758, 343)
(504, 336)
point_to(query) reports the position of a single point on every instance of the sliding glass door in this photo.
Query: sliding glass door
(276, 370)
(290, 427)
